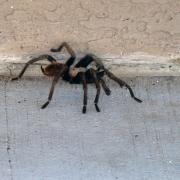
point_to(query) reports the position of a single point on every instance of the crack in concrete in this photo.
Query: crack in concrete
(8, 147)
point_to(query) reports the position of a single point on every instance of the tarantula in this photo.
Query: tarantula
(88, 69)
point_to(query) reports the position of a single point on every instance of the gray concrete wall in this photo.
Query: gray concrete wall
(125, 141)
(109, 28)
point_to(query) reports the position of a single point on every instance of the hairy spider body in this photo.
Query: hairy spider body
(52, 69)
(88, 69)
(71, 77)
(72, 74)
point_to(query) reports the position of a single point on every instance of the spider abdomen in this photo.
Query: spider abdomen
(88, 76)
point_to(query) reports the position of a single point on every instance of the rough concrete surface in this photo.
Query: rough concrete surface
(126, 141)
(108, 28)
(102, 26)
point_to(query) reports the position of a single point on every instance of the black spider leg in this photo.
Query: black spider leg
(55, 80)
(105, 87)
(121, 83)
(98, 87)
(70, 61)
(83, 79)
(45, 56)
(85, 61)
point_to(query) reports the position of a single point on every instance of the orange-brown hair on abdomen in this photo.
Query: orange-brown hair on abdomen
(52, 69)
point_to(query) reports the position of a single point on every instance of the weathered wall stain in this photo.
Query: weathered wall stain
(176, 61)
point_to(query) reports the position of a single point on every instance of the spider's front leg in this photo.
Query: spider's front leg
(66, 45)
(83, 80)
(70, 61)
(45, 56)
(55, 80)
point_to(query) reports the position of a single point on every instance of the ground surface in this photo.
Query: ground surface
(126, 141)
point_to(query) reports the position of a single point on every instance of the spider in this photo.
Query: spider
(89, 69)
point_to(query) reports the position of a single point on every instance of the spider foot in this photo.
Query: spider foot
(54, 50)
(138, 100)
(44, 105)
(84, 110)
(97, 108)
(14, 79)
(108, 92)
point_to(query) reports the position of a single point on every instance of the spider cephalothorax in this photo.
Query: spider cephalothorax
(52, 69)
(88, 69)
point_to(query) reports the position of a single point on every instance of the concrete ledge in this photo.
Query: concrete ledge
(137, 64)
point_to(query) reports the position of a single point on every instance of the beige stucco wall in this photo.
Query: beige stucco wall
(103, 26)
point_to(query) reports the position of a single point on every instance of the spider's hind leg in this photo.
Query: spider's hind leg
(121, 83)
(105, 87)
